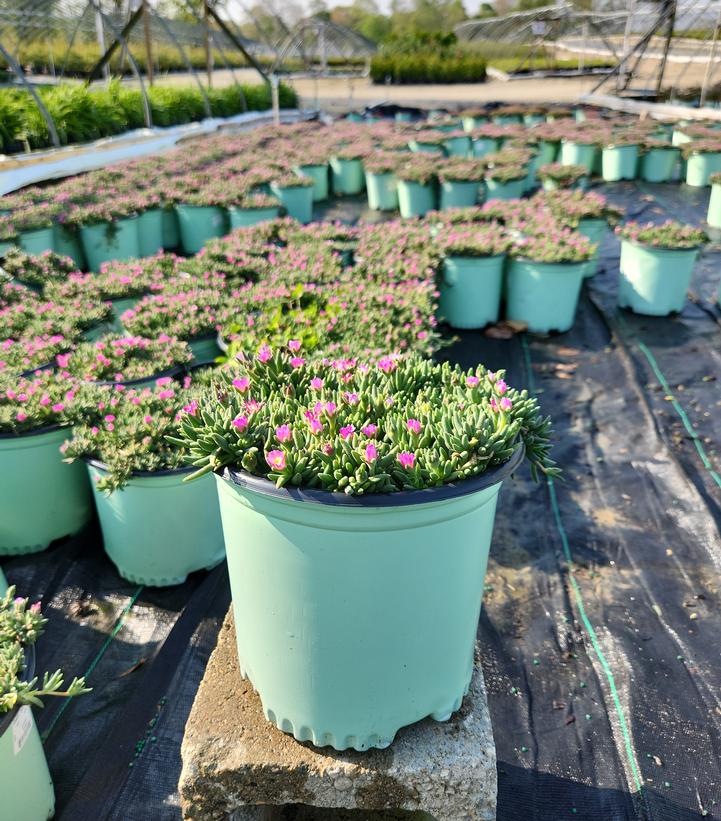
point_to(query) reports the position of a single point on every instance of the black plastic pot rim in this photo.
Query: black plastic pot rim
(403, 498)
(130, 383)
(28, 672)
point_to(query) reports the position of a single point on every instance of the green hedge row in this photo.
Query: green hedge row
(83, 114)
(428, 68)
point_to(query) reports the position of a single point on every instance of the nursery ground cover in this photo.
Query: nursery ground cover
(636, 488)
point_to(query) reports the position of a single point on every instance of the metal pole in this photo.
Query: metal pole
(100, 34)
(323, 52)
(275, 96)
(711, 60)
(148, 42)
(669, 8)
(208, 55)
(582, 55)
(621, 83)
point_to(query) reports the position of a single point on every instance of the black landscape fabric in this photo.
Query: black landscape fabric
(601, 626)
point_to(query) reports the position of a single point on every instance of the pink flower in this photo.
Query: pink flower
(315, 425)
(95, 430)
(351, 398)
(506, 404)
(369, 430)
(45, 400)
(347, 431)
(501, 387)
(276, 459)
(20, 416)
(371, 452)
(472, 381)
(192, 408)
(166, 394)
(163, 380)
(63, 359)
(241, 384)
(240, 423)
(330, 408)
(387, 365)
(58, 408)
(414, 426)
(264, 354)
(147, 419)
(283, 433)
(406, 459)
(297, 362)
(316, 383)
(294, 345)
(494, 404)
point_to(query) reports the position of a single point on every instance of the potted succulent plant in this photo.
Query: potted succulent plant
(713, 214)
(460, 182)
(34, 225)
(252, 209)
(108, 229)
(544, 277)
(658, 160)
(471, 280)
(619, 157)
(657, 262)
(381, 182)
(457, 144)
(295, 192)
(485, 140)
(346, 165)
(150, 224)
(28, 354)
(473, 118)
(506, 182)
(156, 529)
(703, 158)
(37, 271)
(25, 782)
(201, 216)
(556, 175)
(416, 186)
(132, 361)
(314, 164)
(580, 148)
(41, 498)
(344, 478)
(427, 141)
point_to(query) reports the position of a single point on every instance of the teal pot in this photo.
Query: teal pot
(654, 281)
(533, 119)
(511, 190)
(297, 200)
(41, 497)
(347, 176)
(619, 162)
(457, 146)
(354, 117)
(414, 199)
(3, 583)
(595, 229)
(553, 185)
(198, 224)
(94, 332)
(713, 217)
(659, 164)
(548, 151)
(470, 291)
(459, 194)
(680, 137)
(578, 154)
(319, 175)
(507, 119)
(157, 528)
(425, 148)
(143, 381)
(469, 123)
(483, 146)
(243, 217)
(120, 306)
(205, 348)
(68, 244)
(356, 616)
(382, 190)
(105, 242)
(5, 247)
(25, 783)
(402, 117)
(700, 167)
(544, 295)
(171, 229)
(37, 242)
(150, 232)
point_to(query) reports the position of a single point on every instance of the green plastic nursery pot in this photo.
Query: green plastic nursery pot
(654, 281)
(297, 200)
(421, 147)
(511, 190)
(150, 232)
(346, 175)
(507, 119)
(469, 123)
(595, 229)
(659, 164)
(713, 217)
(36, 242)
(41, 497)
(457, 146)
(243, 217)
(157, 529)
(105, 242)
(204, 348)
(319, 175)
(470, 291)
(382, 190)
(544, 295)
(356, 616)
(459, 194)
(68, 244)
(25, 783)
(533, 119)
(700, 167)
(414, 199)
(484, 145)
(5, 247)
(578, 154)
(619, 162)
(3, 583)
(547, 151)
(171, 228)
(198, 224)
